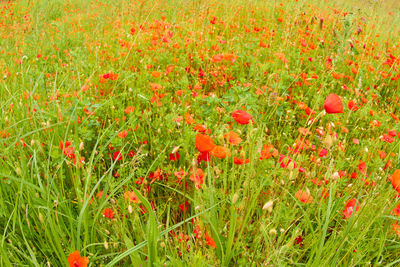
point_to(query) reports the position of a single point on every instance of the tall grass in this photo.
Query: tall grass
(278, 62)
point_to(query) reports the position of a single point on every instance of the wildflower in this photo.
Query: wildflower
(323, 153)
(396, 210)
(375, 123)
(216, 58)
(396, 180)
(189, 119)
(352, 105)
(240, 161)
(65, 144)
(284, 164)
(242, 117)
(198, 177)
(304, 131)
(382, 154)
(396, 229)
(184, 206)
(233, 138)
(219, 152)
(108, 213)
(75, 260)
(181, 174)
(333, 104)
(131, 197)
(203, 156)
(392, 133)
(299, 241)
(68, 150)
(174, 156)
(350, 206)
(210, 241)
(362, 167)
(155, 86)
(304, 197)
(387, 138)
(117, 156)
(122, 134)
(268, 151)
(200, 128)
(204, 143)
(156, 74)
(129, 109)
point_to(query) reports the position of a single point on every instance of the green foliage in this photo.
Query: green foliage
(101, 103)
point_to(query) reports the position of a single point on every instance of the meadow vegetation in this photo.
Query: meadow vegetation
(199, 133)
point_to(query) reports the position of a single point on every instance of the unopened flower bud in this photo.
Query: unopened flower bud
(268, 206)
(235, 198)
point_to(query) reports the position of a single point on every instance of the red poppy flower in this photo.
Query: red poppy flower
(348, 210)
(396, 228)
(117, 156)
(299, 240)
(323, 153)
(210, 241)
(304, 197)
(174, 156)
(396, 210)
(122, 134)
(200, 128)
(392, 133)
(396, 180)
(333, 104)
(268, 151)
(240, 161)
(65, 145)
(198, 177)
(75, 260)
(203, 156)
(233, 138)
(242, 117)
(352, 105)
(220, 152)
(108, 213)
(204, 143)
(284, 163)
(129, 109)
(69, 151)
(362, 167)
(387, 138)
(181, 174)
(184, 207)
(131, 197)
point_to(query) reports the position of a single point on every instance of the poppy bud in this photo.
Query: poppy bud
(235, 198)
(268, 206)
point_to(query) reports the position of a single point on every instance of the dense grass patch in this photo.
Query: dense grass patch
(199, 133)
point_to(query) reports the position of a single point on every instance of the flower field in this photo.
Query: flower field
(199, 133)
